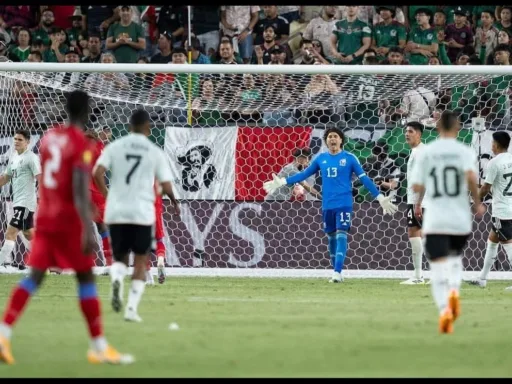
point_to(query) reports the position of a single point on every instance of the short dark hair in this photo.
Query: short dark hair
(38, 54)
(474, 60)
(77, 105)
(448, 120)
(370, 50)
(490, 12)
(26, 134)
(416, 125)
(502, 138)
(338, 131)
(305, 41)
(139, 118)
(502, 47)
(302, 152)
(179, 50)
(371, 60)
(395, 50)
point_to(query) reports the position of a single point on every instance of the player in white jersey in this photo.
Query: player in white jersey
(414, 213)
(301, 158)
(498, 180)
(135, 162)
(444, 171)
(23, 170)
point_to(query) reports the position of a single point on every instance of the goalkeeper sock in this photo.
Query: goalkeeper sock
(5, 252)
(490, 257)
(91, 309)
(160, 248)
(341, 251)
(417, 255)
(118, 271)
(454, 268)
(332, 248)
(135, 294)
(19, 300)
(508, 251)
(439, 284)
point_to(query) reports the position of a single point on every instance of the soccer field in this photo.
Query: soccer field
(249, 327)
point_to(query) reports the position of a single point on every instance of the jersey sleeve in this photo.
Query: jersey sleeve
(83, 154)
(35, 165)
(301, 176)
(163, 170)
(8, 170)
(490, 173)
(361, 174)
(417, 176)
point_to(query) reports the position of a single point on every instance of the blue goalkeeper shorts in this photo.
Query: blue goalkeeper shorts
(338, 219)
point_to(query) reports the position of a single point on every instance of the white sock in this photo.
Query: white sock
(508, 251)
(454, 268)
(99, 344)
(26, 242)
(135, 294)
(417, 255)
(5, 252)
(5, 331)
(118, 271)
(490, 257)
(161, 260)
(439, 284)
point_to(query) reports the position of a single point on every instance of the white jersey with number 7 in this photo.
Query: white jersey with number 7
(441, 168)
(134, 163)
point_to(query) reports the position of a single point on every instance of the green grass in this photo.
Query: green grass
(268, 328)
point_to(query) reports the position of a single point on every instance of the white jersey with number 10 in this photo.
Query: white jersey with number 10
(499, 175)
(441, 167)
(134, 162)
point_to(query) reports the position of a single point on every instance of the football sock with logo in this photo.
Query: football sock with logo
(341, 251)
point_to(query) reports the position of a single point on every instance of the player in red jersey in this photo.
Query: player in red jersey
(64, 236)
(98, 141)
(159, 239)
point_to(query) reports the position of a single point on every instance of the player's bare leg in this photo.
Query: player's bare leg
(136, 289)
(440, 287)
(417, 254)
(9, 243)
(149, 276)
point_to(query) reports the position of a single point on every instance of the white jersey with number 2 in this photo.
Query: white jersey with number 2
(134, 162)
(441, 168)
(499, 175)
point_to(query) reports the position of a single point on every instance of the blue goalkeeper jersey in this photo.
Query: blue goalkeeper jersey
(336, 171)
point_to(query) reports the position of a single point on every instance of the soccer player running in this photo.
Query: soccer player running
(499, 180)
(98, 141)
(64, 236)
(134, 162)
(23, 170)
(336, 168)
(413, 132)
(444, 172)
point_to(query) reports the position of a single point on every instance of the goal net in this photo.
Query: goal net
(226, 129)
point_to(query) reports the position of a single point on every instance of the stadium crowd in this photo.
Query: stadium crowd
(324, 35)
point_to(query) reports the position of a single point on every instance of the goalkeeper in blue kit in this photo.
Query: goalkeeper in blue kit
(336, 168)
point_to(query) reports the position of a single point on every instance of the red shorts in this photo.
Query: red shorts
(99, 203)
(159, 227)
(59, 250)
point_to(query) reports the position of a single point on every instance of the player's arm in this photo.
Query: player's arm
(311, 190)
(277, 182)
(489, 180)
(417, 177)
(164, 176)
(4, 179)
(100, 168)
(35, 167)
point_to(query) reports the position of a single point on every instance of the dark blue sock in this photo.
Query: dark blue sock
(341, 250)
(104, 235)
(28, 285)
(87, 291)
(332, 247)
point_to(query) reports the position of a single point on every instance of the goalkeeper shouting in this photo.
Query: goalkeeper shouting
(336, 168)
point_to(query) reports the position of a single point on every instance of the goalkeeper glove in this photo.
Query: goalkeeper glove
(276, 183)
(387, 206)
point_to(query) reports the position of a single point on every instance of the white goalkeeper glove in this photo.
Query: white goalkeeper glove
(276, 183)
(387, 206)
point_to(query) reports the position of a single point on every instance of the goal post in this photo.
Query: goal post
(226, 128)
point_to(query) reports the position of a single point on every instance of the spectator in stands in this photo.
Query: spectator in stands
(227, 54)
(280, 26)
(216, 57)
(398, 16)
(107, 83)
(165, 48)
(240, 21)
(62, 13)
(262, 52)
(410, 12)
(498, 90)
(422, 42)
(46, 25)
(57, 50)
(22, 49)
(247, 100)
(417, 103)
(68, 80)
(365, 13)
(94, 48)
(205, 26)
(505, 20)
(503, 37)
(502, 55)
(395, 56)
(37, 45)
(99, 18)
(320, 28)
(486, 36)
(439, 20)
(17, 16)
(462, 58)
(459, 35)
(371, 60)
(388, 33)
(308, 55)
(126, 38)
(174, 20)
(197, 56)
(434, 60)
(206, 107)
(278, 55)
(290, 12)
(319, 50)
(5, 54)
(35, 57)
(76, 30)
(350, 38)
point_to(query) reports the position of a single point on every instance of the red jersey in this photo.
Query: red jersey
(62, 150)
(97, 148)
